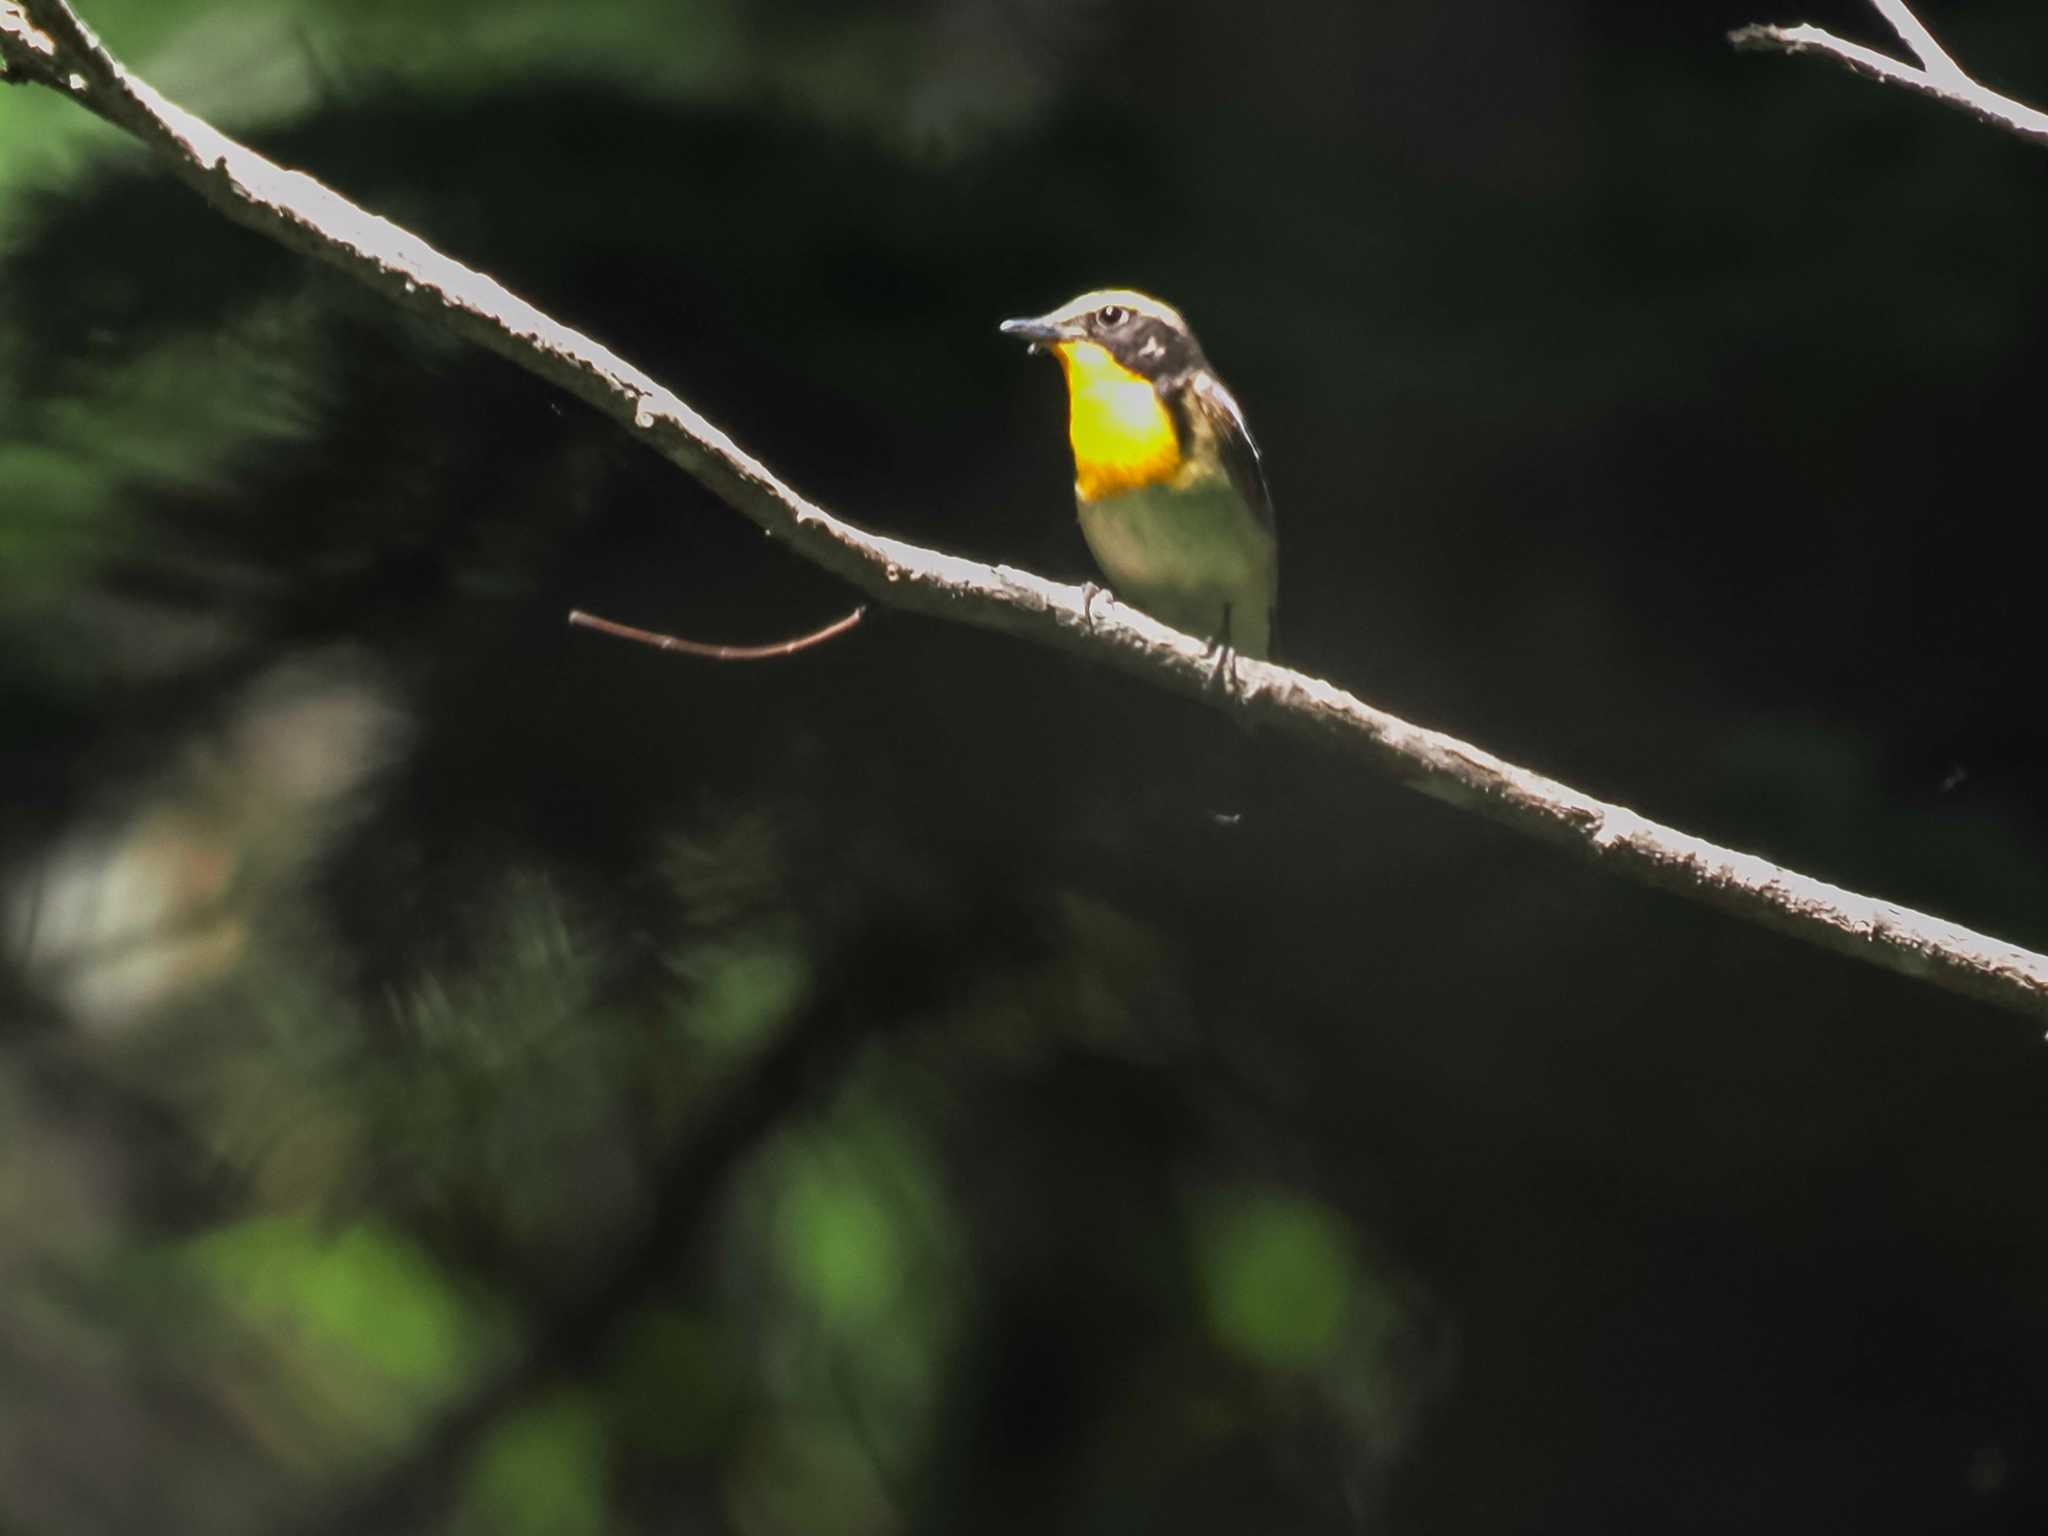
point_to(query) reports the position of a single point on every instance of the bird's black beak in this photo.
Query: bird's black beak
(1037, 332)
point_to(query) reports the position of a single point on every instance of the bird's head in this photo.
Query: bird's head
(1137, 333)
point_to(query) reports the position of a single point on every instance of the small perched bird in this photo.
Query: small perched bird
(1167, 481)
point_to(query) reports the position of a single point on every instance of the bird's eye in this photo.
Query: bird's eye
(1110, 316)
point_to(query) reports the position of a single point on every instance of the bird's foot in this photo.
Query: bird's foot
(1223, 673)
(1090, 590)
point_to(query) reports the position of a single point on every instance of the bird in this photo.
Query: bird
(1168, 485)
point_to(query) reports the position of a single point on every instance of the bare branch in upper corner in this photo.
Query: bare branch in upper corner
(300, 213)
(1936, 74)
(710, 652)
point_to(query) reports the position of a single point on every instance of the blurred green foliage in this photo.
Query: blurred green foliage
(1279, 1278)
(370, 1311)
(543, 1469)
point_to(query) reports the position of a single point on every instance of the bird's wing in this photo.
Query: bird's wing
(1208, 400)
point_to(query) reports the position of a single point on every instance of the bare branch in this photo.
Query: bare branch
(301, 213)
(684, 647)
(1916, 37)
(1936, 74)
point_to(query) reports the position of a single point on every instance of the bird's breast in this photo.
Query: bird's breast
(1192, 554)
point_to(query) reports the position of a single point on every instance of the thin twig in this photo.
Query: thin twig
(710, 652)
(300, 213)
(1936, 74)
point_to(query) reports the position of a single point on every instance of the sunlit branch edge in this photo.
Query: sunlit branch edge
(45, 41)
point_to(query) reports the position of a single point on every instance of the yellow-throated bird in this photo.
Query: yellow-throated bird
(1167, 481)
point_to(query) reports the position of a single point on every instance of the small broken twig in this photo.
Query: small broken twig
(710, 652)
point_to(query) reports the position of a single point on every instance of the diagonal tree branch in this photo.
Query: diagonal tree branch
(1936, 74)
(45, 42)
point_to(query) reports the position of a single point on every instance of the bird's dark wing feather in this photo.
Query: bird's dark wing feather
(1205, 398)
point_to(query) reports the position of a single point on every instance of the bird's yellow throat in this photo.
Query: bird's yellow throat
(1123, 435)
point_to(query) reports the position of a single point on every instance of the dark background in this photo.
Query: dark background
(460, 1072)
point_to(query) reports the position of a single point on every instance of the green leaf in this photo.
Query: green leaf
(1278, 1277)
(366, 1296)
(542, 1471)
(837, 1243)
